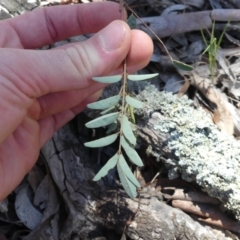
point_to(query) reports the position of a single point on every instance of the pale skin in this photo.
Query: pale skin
(40, 91)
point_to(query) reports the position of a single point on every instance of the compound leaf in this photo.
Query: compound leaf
(141, 77)
(112, 162)
(134, 102)
(108, 79)
(101, 142)
(127, 185)
(103, 120)
(105, 103)
(127, 130)
(127, 171)
(182, 66)
(131, 153)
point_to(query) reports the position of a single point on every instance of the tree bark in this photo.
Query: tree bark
(190, 145)
(92, 207)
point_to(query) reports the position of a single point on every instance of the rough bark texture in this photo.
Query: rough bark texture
(188, 142)
(15, 7)
(93, 207)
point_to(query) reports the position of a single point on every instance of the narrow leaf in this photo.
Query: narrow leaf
(127, 185)
(133, 120)
(131, 153)
(127, 171)
(106, 110)
(112, 127)
(134, 102)
(141, 77)
(108, 79)
(103, 120)
(101, 142)
(182, 66)
(132, 22)
(112, 162)
(127, 130)
(105, 103)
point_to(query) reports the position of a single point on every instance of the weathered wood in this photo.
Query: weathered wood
(191, 146)
(97, 206)
(16, 7)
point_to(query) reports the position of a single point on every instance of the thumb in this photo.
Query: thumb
(36, 73)
(29, 74)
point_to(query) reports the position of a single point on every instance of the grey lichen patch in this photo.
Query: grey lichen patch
(204, 153)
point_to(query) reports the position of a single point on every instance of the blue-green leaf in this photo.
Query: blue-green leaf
(127, 130)
(105, 103)
(107, 110)
(131, 153)
(112, 127)
(101, 142)
(127, 185)
(134, 102)
(132, 22)
(182, 66)
(112, 162)
(103, 120)
(108, 79)
(141, 77)
(127, 171)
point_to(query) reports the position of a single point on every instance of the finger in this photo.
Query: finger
(140, 51)
(22, 159)
(49, 125)
(36, 73)
(48, 25)
(51, 104)
(26, 75)
(135, 59)
(29, 74)
(54, 103)
(14, 164)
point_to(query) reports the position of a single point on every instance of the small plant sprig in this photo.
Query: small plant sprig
(212, 48)
(120, 117)
(127, 138)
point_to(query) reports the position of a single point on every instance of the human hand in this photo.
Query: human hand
(42, 90)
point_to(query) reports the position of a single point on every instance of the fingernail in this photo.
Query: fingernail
(112, 36)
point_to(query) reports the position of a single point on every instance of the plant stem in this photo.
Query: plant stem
(124, 80)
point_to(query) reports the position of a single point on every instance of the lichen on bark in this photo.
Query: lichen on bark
(202, 153)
